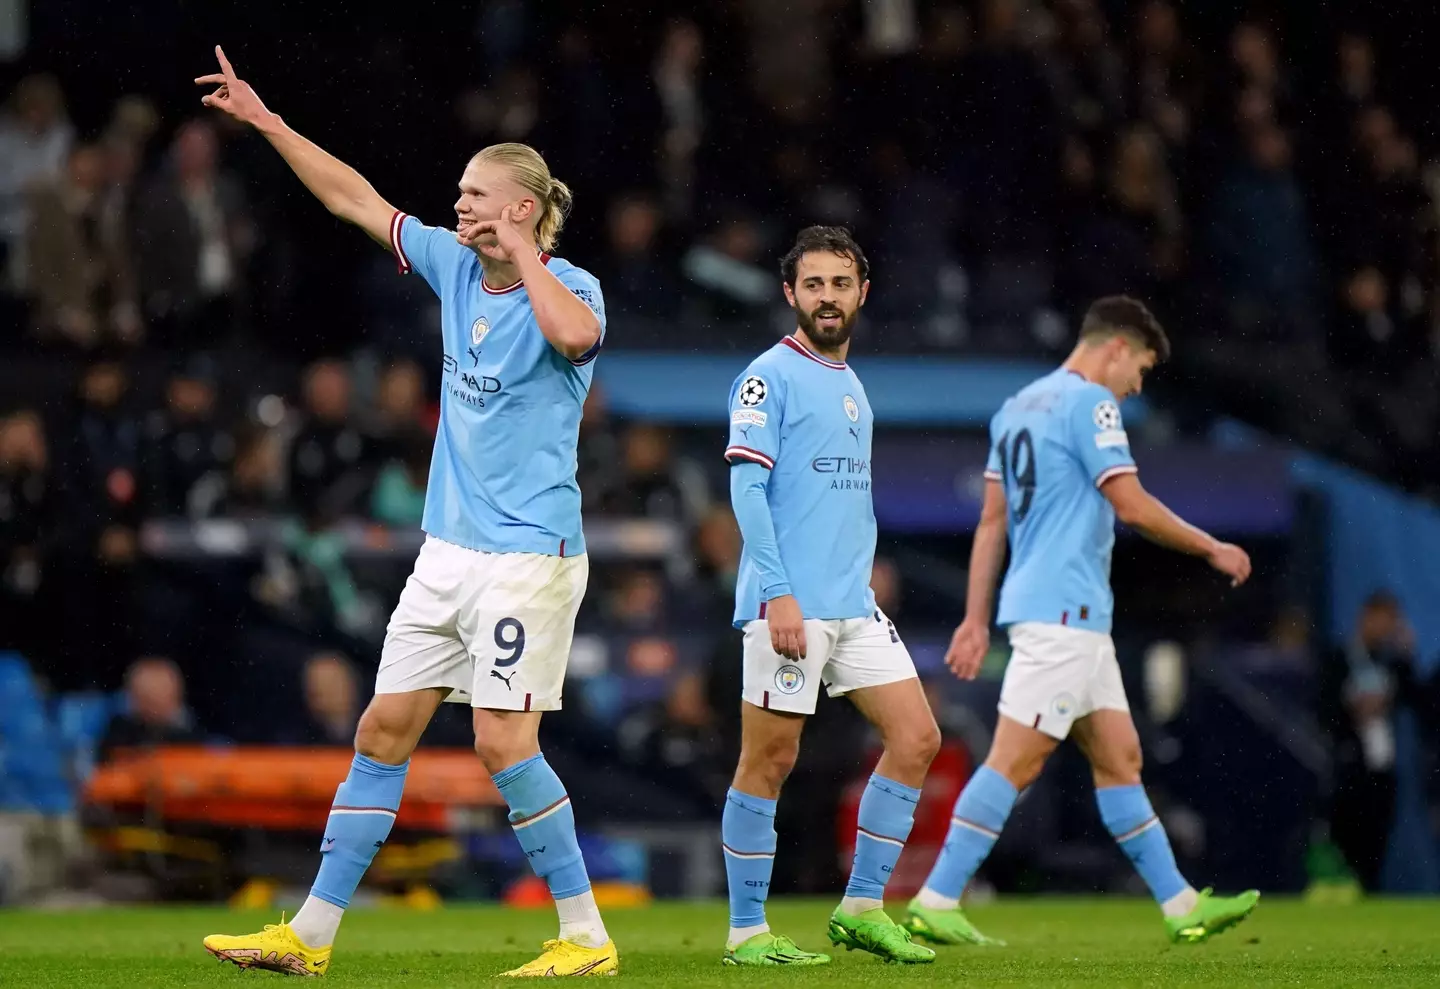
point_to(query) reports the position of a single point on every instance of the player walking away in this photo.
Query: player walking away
(488, 615)
(800, 436)
(1059, 472)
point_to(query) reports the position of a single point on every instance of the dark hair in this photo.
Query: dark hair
(836, 240)
(1121, 314)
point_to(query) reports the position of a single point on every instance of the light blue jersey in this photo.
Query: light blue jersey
(502, 477)
(1053, 445)
(807, 420)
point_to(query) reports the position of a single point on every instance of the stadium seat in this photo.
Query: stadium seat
(33, 773)
(19, 695)
(81, 720)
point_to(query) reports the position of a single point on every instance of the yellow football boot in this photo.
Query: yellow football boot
(276, 949)
(567, 958)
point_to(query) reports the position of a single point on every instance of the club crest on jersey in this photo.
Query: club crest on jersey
(1106, 415)
(789, 679)
(852, 411)
(753, 391)
(478, 329)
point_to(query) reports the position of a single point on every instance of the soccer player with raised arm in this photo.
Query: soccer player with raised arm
(1058, 475)
(488, 615)
(800, 474)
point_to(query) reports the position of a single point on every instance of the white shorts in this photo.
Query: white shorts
(843, 654)
(1058, 675)
(494, 628)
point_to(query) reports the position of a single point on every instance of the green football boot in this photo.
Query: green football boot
(1212, 914)
(944, 926)
(875, 932)
(771, 949)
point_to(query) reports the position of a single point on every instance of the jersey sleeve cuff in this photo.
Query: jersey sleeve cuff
(773, 591)
(735, 453)
(994, 475)
(1115, 471)
(397, 227)
(593, 352)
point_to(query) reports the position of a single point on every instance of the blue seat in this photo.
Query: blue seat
(22, 712)
(34, 764)
(80, 721)
(19, 695)
(82, 718)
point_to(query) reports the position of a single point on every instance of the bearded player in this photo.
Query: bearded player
(488, 615)
(800, 475)
(1059, 474)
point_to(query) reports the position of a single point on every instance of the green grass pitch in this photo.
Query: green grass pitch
(1053, 943)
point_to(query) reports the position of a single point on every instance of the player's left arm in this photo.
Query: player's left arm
(987, 555)
(568, 309)
(971, 641)
(987, 552)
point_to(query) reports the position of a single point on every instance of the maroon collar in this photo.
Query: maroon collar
(544, 259)
(805, 351)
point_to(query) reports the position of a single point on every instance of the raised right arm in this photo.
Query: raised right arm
(342, 190)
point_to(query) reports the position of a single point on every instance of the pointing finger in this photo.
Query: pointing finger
(225, 65)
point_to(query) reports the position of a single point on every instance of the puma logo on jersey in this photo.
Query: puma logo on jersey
(503, 678)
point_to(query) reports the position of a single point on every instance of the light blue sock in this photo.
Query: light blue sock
(1128, 815)
(887, 809)
(544, 822)
(979, 817)
(747, 835)
(360, 821)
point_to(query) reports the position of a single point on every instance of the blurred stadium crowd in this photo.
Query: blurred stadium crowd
(187, 337)
(1259, 179)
